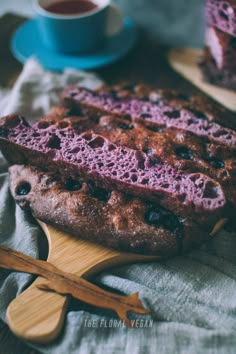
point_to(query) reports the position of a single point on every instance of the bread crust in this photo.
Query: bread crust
(113, 219)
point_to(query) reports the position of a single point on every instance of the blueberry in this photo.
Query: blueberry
(155, 128)
(54, 142)
(98, 193)
(23, 188)
(161, 217)
(50, 180)
(127, 117)
(216, 163)
(3, 133)
(154, 217)
(224, 15)
(154, 161)
(198, 114)
(184, 152)
(125, 126)
(233, 42)
(147, 151)
(145, 115)
(173, 114)
(171, 222)
(73, 185)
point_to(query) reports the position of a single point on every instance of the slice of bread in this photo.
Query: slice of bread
(222, 15)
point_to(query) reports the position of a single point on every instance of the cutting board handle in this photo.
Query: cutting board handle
(37, 315)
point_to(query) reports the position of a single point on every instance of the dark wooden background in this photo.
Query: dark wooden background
(146, 63)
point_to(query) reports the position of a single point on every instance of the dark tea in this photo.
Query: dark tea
(71, 7)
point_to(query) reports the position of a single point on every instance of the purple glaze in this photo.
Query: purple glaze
(128, 170)
(222, 14)
(156, 113)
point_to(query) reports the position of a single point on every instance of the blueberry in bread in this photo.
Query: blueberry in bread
(151, 110)
(111, 218)
(110, 166)
(222, 15)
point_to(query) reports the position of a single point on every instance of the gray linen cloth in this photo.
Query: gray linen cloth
(192, 298)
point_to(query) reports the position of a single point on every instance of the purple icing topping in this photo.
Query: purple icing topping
(128, 170)
(156, 113)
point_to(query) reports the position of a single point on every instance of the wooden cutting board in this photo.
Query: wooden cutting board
(37, 315)
(185, 62)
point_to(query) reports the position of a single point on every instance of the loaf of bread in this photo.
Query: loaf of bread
(222, 49)
(125, 167)
(221, 77)
(110, 218)
(218, 62)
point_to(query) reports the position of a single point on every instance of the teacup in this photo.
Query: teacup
(81, 32)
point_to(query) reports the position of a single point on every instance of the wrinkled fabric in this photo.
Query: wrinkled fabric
(191, 298)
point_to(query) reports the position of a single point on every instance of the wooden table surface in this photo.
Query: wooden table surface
(146, 63)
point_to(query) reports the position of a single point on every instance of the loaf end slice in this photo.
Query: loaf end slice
(107, 217)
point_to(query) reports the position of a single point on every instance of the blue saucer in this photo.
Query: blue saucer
(26, 42)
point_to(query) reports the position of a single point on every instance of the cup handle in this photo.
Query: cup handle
(114, 20)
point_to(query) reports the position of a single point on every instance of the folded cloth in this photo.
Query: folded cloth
(191, 297)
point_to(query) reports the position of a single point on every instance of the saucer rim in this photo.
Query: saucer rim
(128, 24)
